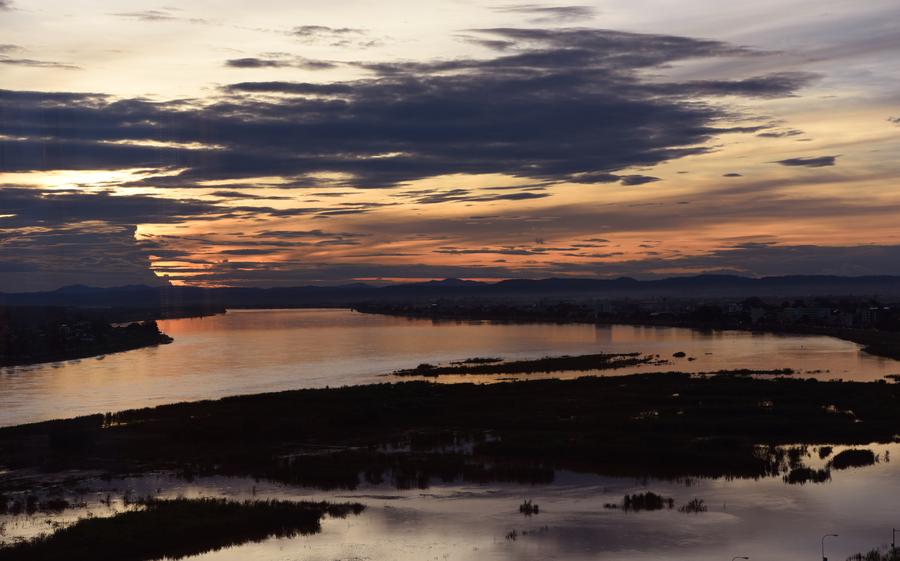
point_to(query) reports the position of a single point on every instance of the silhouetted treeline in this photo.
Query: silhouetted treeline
(884, 553)
(44, 334)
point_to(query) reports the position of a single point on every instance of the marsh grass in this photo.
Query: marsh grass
(176, 528)
(643, 501)
(694, 506)
(803, 475)
(853, 458)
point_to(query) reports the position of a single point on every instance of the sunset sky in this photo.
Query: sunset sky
(286, 142)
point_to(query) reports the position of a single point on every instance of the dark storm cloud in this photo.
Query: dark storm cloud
(17, 267)
(567, 102)
(6, 4)
(895, 120)
(549, 14)
(52, 255)
(293, 88)
(318, 31)
(602, 177)
(5, 58)
(333, 36)
(484, 251)
(734, 203)
(780, 133)
(732, 174)
(318, 237)
(762, 259)
(465, 195)
(753, 259)
(249, 251)
(769, 86)
(249, 196)
(494, 44)
(36, 63)
(53, 238)
(32, 207)
(295, 62)
(638, 179)
(147, 15)
(162, 15)
(811, 162)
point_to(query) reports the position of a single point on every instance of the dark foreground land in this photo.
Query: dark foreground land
(176, 528)
(409, 434)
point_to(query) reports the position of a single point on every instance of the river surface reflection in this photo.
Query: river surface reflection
(269, 350)
(763, 519)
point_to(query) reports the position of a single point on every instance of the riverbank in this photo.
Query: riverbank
(57, 342)
(875, 342)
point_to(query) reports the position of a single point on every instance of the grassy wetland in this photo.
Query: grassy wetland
(176, 528)
(655, 425)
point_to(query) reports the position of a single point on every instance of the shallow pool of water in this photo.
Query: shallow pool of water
(762, 519)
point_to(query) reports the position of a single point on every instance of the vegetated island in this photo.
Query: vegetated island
(411, 434)
(565, 363)
(31, 335)
(642, 501)
(176, 528)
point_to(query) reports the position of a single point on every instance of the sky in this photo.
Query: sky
(286, 143)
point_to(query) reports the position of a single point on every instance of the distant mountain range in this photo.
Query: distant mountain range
(701, 286)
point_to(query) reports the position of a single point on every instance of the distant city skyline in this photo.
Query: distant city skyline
(288, 143)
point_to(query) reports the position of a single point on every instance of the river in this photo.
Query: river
(247, 351)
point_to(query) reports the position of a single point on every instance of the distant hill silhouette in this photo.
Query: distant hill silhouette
(700, 286)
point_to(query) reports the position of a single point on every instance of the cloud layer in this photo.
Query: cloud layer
(564, 105)
(456, 167)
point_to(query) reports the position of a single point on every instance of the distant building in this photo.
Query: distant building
(866, 317)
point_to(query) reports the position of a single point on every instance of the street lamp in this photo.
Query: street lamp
(823, 544)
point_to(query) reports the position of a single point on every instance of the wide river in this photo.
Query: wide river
(268, 350)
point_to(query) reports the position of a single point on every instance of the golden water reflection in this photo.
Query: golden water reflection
(270, 350)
